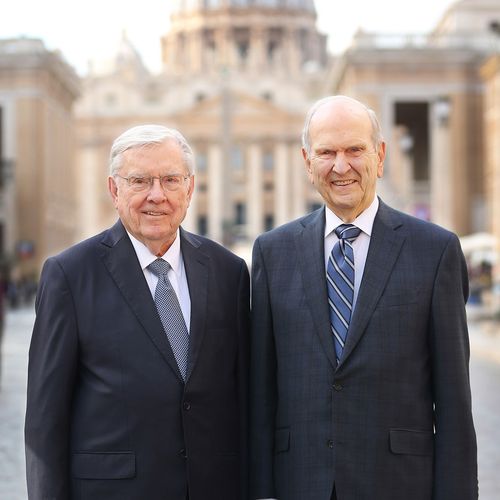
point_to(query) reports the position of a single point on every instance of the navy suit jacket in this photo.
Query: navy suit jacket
(108, 414)
(393, 420)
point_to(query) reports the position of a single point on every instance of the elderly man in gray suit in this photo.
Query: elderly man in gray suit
(360, 351)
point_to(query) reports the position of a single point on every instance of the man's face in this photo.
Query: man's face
(153, 215)
(343, 164)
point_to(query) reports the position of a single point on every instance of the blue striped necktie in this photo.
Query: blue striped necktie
(170, 313)
(340, 282)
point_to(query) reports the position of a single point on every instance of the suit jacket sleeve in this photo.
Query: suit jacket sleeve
(263, 383)
(243, 363)
(51, 376)
(455, 464)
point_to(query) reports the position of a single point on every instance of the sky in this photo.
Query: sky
(91, 29)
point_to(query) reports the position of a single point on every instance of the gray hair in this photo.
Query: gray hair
(145, 135)
(377, 137)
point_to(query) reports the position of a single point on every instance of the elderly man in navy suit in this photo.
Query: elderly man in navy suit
(359, 359)
(137, 384)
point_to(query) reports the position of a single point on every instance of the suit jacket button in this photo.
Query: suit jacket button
(187, 406)
(337, 387)
(182, 453)
(329, 443)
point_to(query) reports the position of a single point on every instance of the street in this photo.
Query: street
(485, 379)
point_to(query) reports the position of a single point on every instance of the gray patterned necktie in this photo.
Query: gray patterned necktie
(340, 282)
(170, 313)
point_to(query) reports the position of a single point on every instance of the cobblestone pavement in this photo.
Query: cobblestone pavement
(485, 380)
(14, 364)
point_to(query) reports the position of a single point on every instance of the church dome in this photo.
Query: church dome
(185, 6)
(244, 36)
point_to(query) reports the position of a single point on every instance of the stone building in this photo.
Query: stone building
(237, 79)
(429, 93)
(37, 185)
(490, 72)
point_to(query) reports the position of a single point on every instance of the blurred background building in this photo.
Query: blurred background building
(237, 79)
(428, 92)
(37, 153)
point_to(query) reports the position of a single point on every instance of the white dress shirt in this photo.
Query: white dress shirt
(360, 245)
(176, 275)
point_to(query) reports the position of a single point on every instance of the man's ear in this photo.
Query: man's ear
(307, 161)
(190, 188)
(113, 190)
(380, 160)
(307, 164)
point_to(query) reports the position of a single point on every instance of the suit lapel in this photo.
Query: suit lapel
(310, 249)
(385, 245)
(121, 262)
(196, 265)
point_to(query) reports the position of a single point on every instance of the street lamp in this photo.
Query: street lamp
(442, 110)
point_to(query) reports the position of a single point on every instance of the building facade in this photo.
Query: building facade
(430, 97)
(490, 72)
(237, 79)
(37, 201)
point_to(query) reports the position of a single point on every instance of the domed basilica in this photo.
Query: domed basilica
(237, 78)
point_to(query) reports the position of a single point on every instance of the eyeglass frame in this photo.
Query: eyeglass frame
(150, 181)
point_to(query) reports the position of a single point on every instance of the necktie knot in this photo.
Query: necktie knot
(159, 267)
(347, 232)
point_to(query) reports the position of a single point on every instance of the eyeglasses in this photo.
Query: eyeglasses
(143, 183)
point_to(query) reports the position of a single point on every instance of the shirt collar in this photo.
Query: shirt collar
(172, 255)
(364, 220)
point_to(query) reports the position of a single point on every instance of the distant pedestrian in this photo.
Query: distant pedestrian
(3, 293)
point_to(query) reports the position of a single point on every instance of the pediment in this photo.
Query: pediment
(238, 104)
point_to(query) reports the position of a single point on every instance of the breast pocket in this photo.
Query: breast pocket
(399, 298)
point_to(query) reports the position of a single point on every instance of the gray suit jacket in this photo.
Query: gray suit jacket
(393, 419)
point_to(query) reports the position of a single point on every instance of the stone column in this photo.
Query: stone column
(89, 175)
(257, 53)
(299, 180)
(215, 194)
(294, 53)
(281, 183)
(196, 48)
(254, 191)
(441, 174)
(402, 174)
(190, 222)
(9, 194)
(222, 47)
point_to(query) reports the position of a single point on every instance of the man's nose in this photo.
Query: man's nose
(341, 164)
(156, 192)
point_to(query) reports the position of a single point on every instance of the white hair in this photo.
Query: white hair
(144, 135)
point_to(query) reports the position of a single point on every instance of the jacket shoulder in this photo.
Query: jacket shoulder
(290, 229)
(415, 227)
(211, 248)
(75, 253)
